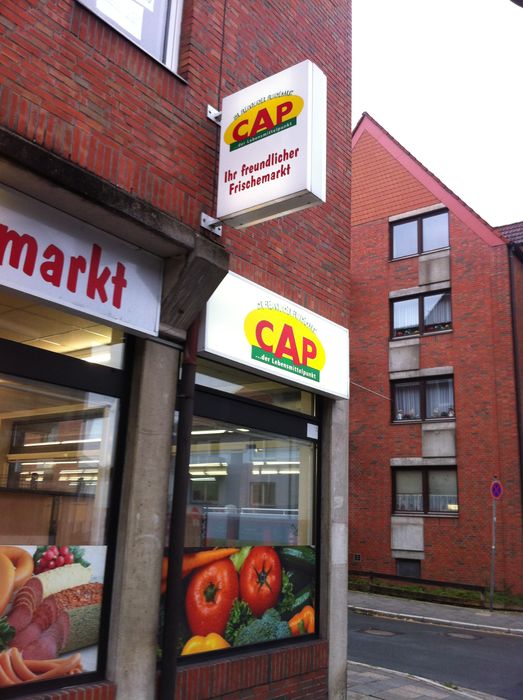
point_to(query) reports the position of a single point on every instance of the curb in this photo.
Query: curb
(436, 621)
(463, 692)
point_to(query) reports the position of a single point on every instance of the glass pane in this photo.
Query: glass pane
(440, 398)
(436, 313)
(233, 381)
(56, 461)
(250, 531)
(405, 239)
(25, 321)
(409, 490)
(251, 487)
(443, 491)
(435, 231)
(407, 401)
(406, 317)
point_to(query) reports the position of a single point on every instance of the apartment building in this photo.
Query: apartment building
(436, 376)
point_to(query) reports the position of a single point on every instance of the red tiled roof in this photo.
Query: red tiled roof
(513, 233)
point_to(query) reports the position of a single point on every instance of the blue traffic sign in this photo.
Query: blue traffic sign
(496, 489)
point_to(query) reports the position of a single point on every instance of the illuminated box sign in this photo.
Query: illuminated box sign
(273, 147)
(55, 257)
(249, 326)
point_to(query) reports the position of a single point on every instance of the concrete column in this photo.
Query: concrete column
(141, 529)
(334, 542)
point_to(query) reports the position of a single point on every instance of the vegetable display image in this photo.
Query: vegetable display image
(249, 595)
(210, 596)
(260, 579)
(51, 607)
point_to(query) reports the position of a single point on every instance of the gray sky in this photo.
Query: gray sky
(445, 78)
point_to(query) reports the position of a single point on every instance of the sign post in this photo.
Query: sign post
(496, 491)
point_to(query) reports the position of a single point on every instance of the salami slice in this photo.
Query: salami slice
(19, 617)
(26, 636)
(50, 641)
(46, 613)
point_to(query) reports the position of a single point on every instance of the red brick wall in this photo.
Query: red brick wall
(295, 673)
(372, 198)
(480, 350)
(93, 691)
(75, 86)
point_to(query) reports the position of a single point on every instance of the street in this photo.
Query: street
(478, 660)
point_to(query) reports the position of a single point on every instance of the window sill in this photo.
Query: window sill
(419, 514)
(439, 419)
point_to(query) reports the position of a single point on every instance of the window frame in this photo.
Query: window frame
(171, 40)
(27, 362)
(425, 470)
(419, 220)
(420, 297)
(422, 381)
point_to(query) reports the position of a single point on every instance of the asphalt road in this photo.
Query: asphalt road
(491, 663)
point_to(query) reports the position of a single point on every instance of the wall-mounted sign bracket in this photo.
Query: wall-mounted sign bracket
(213, 114)
(211, 224)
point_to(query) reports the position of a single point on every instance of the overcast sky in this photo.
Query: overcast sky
(445, 78)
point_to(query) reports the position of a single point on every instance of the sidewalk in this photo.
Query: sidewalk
(383, 684)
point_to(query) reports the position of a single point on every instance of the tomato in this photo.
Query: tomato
(210, 595)
(260, 579)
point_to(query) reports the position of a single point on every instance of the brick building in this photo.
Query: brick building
(436, 376)
(107, 160)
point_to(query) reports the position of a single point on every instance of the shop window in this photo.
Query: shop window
(426, 490)
(419, 234)
(25, 321)
(425, 313)
(257, 470)
(253, 387)
(57, 461)
(423, 399)
(154, 25)
(257, 539)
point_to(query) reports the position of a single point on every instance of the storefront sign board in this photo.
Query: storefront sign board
(273, 147)
(249, 326)
(52, 256)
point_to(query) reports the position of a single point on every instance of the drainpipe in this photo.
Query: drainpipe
(174, 592)
(513, 252)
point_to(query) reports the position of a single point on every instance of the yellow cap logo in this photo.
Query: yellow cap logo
(262, 120)
(283, 341)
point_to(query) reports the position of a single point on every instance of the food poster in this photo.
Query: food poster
(235, 597)
(50, 606)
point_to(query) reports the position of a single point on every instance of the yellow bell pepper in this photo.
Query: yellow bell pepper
(199, 644)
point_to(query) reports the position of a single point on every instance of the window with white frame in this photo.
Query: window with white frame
(423, 398)
(154, 25)
(419, 234)
(420, 314)
(425, 490)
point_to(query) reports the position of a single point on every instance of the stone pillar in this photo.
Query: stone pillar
(141, 529)
(334, 542)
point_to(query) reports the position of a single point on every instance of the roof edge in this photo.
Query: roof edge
(467, 215)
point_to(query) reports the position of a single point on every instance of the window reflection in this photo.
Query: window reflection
(56, 448)
(248, 487)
